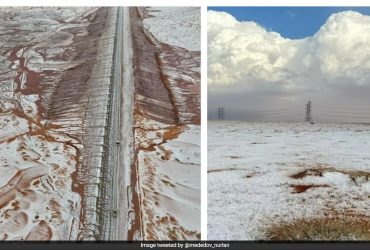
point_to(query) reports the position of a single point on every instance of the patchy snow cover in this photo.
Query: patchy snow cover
(260, 174)
(176, 26)
(169, 170)
(167, 117)
(43, 78)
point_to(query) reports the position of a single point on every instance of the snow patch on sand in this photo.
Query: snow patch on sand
(169, 170)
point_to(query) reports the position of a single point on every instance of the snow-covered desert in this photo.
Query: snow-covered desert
(268, 179)
(99, 123)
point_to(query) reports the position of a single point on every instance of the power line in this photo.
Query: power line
(253, 114)
(273, 111)
(274, 115)
(336, 112)
(346, 116)
(346, 108)
(343, 112)
(270, 113)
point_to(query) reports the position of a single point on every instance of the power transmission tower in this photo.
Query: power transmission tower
(221, 113)
(309, 112)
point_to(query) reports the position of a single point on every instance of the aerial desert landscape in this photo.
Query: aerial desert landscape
(99, 123)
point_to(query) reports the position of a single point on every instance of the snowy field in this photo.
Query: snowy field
(264, 174)
(176, 26)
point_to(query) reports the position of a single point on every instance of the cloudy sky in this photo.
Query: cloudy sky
(266, 63)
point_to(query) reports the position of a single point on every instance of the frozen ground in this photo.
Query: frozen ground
(260, 174)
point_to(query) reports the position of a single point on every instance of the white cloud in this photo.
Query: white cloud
(244, 56)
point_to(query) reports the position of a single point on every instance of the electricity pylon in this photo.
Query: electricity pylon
(221, 113)
(308, 112)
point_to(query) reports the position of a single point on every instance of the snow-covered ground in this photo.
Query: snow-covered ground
(261, 174)
(176, 26)
(167, 117)
(169, 170)
(43, 116)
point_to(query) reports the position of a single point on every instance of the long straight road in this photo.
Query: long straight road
(122, 113)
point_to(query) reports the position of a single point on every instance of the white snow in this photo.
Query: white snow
(177, 26)
(170, 187)
(250, 167)
(183, 148)
(169, 155)
(26, 140)
(338, 179)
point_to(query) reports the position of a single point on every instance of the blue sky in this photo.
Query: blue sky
(290, 22)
